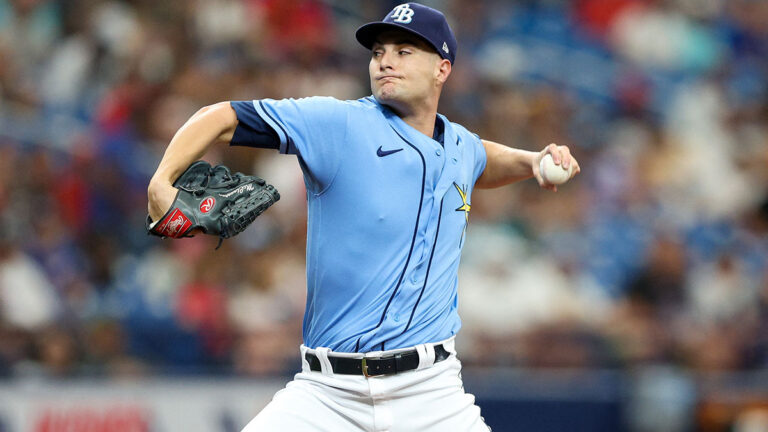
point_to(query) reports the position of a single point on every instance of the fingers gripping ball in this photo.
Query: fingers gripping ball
(554, 174)
(215, 201)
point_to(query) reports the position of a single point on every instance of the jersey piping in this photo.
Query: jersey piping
(413, 240)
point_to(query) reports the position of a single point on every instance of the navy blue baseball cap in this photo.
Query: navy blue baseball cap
(423, 21)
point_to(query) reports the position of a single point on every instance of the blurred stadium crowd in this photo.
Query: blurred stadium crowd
(655, 254)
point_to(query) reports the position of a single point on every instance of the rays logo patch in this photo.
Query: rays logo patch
(402, 14)
(465, 207)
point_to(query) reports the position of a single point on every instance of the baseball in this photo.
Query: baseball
(554, 174)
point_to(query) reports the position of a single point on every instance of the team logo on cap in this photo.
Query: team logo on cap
(402, 14)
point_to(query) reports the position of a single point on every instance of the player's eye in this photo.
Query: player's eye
(404, 52)
(377, 53)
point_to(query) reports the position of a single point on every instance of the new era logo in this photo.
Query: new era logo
(445, 47)
(402, 14)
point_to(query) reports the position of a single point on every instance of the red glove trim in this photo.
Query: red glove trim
(175, 225)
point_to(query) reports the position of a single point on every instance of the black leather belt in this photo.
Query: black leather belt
(375, 366)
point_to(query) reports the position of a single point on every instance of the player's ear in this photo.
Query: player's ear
(442, 71)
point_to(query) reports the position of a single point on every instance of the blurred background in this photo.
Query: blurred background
(634, 299)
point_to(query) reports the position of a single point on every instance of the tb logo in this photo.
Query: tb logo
(403, 14)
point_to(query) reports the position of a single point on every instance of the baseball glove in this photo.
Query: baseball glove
(215, 201)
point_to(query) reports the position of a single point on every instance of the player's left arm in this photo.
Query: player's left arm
(505, 165)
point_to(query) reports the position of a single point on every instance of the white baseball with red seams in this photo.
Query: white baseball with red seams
(554, 174)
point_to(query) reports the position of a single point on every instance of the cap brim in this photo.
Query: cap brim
(367, 33)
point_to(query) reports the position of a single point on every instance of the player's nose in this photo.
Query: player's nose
(385, 60)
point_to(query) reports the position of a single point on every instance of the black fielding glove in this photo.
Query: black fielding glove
(215, 201)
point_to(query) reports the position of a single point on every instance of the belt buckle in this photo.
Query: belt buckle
(365, 370)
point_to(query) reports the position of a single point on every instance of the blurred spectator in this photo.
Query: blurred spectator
(58, 352)
(201, 306)
(721, 291)
(265, 317)
(661, 282)
(28, 299)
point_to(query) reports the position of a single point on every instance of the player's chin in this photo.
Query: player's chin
(386, 95)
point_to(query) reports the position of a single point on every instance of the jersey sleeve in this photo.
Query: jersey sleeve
(481, 157)
(312, 128)
(477, 149)
(252, 130)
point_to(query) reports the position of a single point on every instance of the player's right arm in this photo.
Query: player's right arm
(311, 128)
(211, 124)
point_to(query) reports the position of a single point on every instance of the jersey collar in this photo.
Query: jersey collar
(443, 131)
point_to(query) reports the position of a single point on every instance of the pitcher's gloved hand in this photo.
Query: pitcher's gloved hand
(215, 201)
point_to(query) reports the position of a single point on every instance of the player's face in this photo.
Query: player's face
(404, 70)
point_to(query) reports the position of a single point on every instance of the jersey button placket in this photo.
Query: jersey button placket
(415, 277)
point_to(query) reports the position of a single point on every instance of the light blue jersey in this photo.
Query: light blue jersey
(388, 211)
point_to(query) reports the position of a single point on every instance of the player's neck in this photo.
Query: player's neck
(421, 118)
(423, 124)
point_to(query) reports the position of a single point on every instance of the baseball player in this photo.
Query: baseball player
(389, 192)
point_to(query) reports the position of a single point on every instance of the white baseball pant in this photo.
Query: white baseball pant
(430, 398)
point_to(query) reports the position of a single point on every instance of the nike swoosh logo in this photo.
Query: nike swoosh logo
(382, 153)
